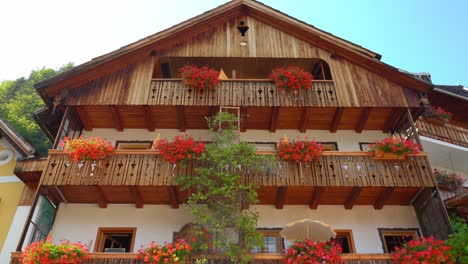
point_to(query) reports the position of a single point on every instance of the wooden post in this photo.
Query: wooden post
(413, 127)
(59, 132)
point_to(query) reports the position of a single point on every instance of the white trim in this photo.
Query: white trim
(4, 179)
(450, 145)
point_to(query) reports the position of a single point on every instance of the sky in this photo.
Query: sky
(414, 35)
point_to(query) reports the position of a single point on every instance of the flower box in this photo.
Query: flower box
(394, 149)
(87, 149)
(438, 114)
(202, 78)
(299, 151)
(380, 155)
(291, 79)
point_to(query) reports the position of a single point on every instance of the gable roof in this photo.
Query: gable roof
(458, 91)
(343, 48)
(18, 142)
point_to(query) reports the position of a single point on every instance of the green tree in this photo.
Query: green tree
(18, 99)
(459, 240)
(219, 199)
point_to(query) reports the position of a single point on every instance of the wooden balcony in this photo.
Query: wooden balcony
(30, 170)
(443, 131)
(130, 258)
(336, 178)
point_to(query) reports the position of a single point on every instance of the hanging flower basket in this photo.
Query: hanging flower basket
(87, 149)
(291, 79)
(394, 149)
(202, 78)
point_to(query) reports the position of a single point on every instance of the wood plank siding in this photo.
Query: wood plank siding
(443, 131)
(130, 258)
(30, 170)
(335, 169)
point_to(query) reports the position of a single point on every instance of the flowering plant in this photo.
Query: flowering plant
(45, 252)
(313, 252)
(291, 78)
(299, 151)
(424, 250)
(398, 146)
(202, 78)
(438, 113)
(452, 180)
(87, 149)
(168, 253)
(181, 148)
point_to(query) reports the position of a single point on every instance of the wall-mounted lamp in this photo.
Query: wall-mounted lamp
(242, 29)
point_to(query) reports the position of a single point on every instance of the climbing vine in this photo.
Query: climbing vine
(219, 200)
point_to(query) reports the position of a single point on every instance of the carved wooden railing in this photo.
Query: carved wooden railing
(443, 131)
(240, 93)
(30, 170)
(130, 258)
(334, 168)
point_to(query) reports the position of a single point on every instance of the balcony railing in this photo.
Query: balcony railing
(443, 131)
(334, 168)
(240, 93)
(130, 258)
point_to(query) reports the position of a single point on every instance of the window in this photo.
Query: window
(392, 238)
(273, 241)
(344, 238)
(115, 239)
(329, 146)
(365, 146)
(133, 144)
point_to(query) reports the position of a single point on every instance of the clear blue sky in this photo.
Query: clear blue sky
(415, 35)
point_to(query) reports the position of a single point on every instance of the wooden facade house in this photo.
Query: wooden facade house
(133, 94)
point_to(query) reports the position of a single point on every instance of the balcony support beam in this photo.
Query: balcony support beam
(101, 199)
(244, 115)
(116, 117)
(392, 119)
(136, 195)
(181, 117)
(281, 197)
(314, 202)
(383, 197)
(148, 118)
(336, 119)
(173, 198)
(274, 118)
(305, 119)
(363, 119)
(355, 192)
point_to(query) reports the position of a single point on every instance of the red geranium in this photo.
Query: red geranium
(398, 146)
(452, 180)
(299, 151)
(291, 78)
(45, 252)
(313, 252)
(167, 253)
(87, 149)
(181, 148)
(438, 113)
(202, 78)
(424, 250)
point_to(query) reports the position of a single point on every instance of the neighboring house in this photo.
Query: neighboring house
(14, 194)
(131, 95)
(447, 143)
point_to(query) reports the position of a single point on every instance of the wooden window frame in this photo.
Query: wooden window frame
(116, 230)
(396, 232)
(136, 142)
(349, 234)
(279, 239)
(330, 143)
(361, 145)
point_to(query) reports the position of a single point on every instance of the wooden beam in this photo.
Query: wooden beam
(336, 119)
(174, 200)
(281, 197)
(363, 119)
(392, 119)
(383, 197)
(148, 118)
(274, 118)
(305, 119)
(116, 117)
(101, 199)
(352, 197)
(136, 196)
(244, 115)
(181, 117)
(84, 118)
(314, 201)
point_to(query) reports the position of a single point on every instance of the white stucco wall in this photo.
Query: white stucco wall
(14, 233)
(348, 140)
(80, 222)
